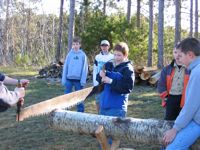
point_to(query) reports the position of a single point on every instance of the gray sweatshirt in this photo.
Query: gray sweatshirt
(191, 109)
(75, 67)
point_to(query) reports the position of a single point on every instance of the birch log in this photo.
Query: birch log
(132, 129)
(148, 131)
(154, 79)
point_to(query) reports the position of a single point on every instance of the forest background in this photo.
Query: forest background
(29, 38)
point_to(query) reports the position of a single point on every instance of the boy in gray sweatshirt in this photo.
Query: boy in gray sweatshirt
(186, 129)
(75, 70)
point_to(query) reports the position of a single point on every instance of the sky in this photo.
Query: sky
(52, 6)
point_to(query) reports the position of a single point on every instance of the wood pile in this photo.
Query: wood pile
(143, 75)
(146, 75)
(54, 70)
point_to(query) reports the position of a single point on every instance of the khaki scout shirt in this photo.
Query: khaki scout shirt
(178, 80)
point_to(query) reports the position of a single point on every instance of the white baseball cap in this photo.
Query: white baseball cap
(105, 42)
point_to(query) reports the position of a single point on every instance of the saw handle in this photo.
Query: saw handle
(21, 100)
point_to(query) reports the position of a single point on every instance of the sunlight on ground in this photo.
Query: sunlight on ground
(148, 94)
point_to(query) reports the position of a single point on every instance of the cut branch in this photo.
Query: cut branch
(101, 137)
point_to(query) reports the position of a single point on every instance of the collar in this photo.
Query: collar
(194, 63)
(176, 65)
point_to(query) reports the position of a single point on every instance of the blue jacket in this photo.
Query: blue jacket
(115, 95)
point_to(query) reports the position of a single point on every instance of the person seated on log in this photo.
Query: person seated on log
(10, 98)
(100, 59)
(171, 86)
(186, 128)
(118, 77)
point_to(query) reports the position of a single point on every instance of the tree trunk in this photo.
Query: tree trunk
(1, 35)
(196, 19)
(191, 18)
(138, 13)
(129, 11)
(160, 33)
(148, 131)
(104, 6)
(53, 35)
(71, 24)
(149, 64)
(177, 21)
(28, 47)
(6, 35)
(59, 46)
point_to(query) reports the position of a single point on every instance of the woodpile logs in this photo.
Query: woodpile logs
(148, 75)
(147, 131)
(143, 75)
(54, 70)
(154, 79)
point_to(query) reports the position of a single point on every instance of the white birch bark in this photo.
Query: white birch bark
(148, 131)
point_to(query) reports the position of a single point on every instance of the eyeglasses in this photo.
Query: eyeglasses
(104, 45)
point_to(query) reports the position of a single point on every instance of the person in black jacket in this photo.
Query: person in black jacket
(172, 85)
(10, 98)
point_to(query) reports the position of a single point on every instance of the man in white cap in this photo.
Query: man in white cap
(100, 59)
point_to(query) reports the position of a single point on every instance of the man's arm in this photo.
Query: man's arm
(162, 86)
(84, 71)
(11, 97)
(192, 103)
(125, 84)
(64, 73)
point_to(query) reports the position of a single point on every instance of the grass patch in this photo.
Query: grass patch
(35, 134)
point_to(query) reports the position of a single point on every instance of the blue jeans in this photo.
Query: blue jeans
(112, 112)
(97, 98)
(185, 137)
(68, 89)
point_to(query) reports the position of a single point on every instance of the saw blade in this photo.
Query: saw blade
(63, 101)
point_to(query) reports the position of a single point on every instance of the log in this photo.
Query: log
(131, 129)
(147, 72)
(138, 69)
(150, 69)
(148, 131)
(145, 75)
(154, 79)
(115, 144)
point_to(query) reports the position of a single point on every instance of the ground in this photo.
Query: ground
(35, 133)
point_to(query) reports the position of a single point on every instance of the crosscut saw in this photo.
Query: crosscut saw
(59, 102)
